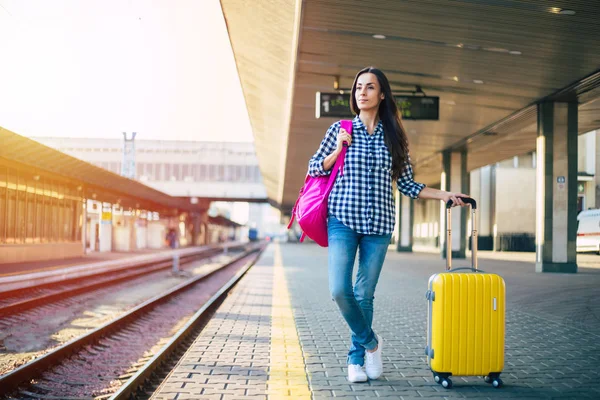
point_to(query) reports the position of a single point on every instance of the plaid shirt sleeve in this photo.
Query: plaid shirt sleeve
(406, 183)
(328, 145)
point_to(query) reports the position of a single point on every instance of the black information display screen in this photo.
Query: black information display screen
(335, 105)
(419, 107)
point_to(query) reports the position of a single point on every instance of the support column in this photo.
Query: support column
(83, 223)
(106, 228)
(556, 191)
(203, 229)
(405, 213)
(481, 191)
(597, 176)
(454, 179)
(196, 221)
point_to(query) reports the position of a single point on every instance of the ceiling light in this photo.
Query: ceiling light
(378, 36)
(450, 102)
(478, 81)
(567, 12)
(496, 49)
(460, 45)
(455, 78)
(562, 11)
(515, 52)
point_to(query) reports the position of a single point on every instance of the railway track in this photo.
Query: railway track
(31, 333)
(120, 355)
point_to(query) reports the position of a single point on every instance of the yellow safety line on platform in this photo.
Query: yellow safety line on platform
(287, 375)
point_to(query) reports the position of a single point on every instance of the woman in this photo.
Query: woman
(361, 208)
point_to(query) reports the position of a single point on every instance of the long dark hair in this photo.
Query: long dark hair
(395, 135)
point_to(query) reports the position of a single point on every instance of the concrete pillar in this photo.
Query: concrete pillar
(493, 221)
(454, 179)
(141, 231)
(405, 212)
(481, 191)
(556, 191)
(84, 226)
(106, 228)
(196, 221)
(597, 174)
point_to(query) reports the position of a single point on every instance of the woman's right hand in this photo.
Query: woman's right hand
(343, 136)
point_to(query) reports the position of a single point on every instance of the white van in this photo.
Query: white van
(588, 231)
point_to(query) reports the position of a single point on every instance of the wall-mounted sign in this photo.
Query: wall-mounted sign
(419, 107)
(106, 218)
(335, 105)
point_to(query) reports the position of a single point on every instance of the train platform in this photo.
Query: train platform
(279, 335)
(35, 274)
(8, 269)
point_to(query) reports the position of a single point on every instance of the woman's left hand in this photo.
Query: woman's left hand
(456, 199)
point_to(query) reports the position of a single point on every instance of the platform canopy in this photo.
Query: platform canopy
(489, 62)
(96, 183)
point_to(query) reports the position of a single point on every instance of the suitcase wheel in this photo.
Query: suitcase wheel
(493, 379)
(446, 383)
(442, 379)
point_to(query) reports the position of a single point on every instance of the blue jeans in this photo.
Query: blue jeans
(355, 303)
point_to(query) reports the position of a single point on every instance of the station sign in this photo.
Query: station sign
(336, 105)
(106, 218)
(419, 107)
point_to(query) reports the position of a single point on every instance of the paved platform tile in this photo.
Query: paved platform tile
(279, 334)
(546, 355)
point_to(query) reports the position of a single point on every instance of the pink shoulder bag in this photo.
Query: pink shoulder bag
(310, 209)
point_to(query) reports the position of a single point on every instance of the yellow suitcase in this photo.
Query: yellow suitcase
(466, 319)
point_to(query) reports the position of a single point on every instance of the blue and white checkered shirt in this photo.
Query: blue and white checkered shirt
(362, 198)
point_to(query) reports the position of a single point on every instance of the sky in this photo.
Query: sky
(161, 68)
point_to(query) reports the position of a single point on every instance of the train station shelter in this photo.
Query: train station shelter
(54, 206)
(477, 82)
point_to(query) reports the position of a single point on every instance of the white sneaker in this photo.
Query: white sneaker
(373, 361)
(356, 373)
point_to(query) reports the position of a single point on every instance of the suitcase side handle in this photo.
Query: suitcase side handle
(473, 203)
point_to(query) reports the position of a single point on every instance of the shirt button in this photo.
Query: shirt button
(370, 169)
(369, 187)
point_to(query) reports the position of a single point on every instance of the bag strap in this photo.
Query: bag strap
(339, 163)
(339, 166)
(347, 125)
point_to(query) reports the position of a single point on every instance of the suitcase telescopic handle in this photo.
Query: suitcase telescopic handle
(473, 204)
(467, 200)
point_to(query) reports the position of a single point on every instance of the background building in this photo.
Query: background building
(225, 173)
